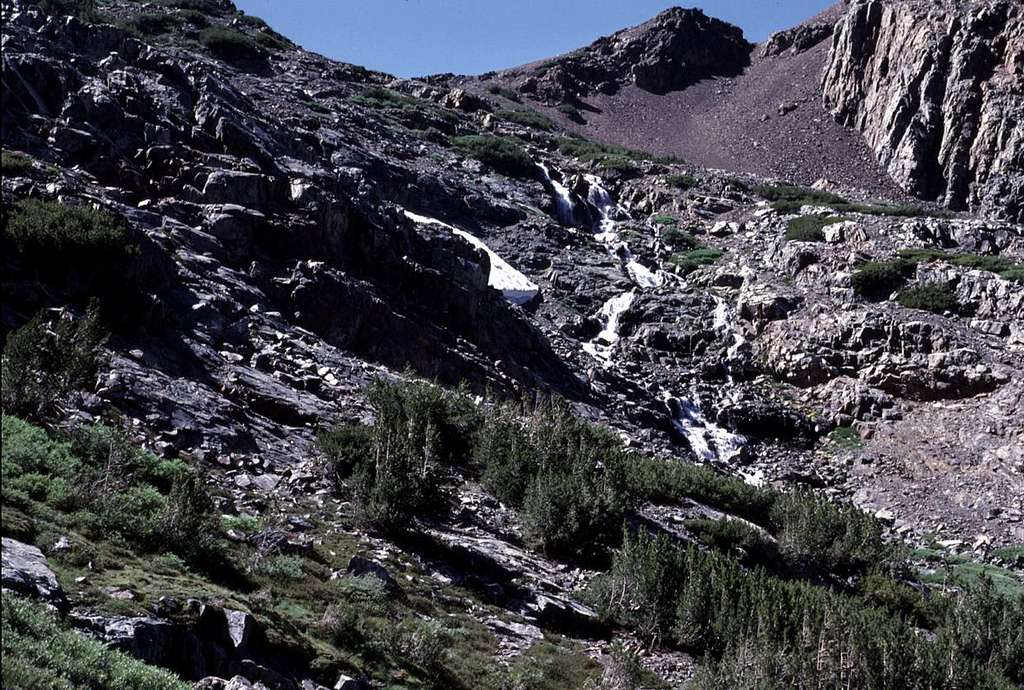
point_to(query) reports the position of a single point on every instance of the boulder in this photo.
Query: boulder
(25, 572)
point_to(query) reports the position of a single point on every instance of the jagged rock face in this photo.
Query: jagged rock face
(667, 53)
(796, 40)
(936, 91)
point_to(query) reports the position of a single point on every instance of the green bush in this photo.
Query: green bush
(984, 262)
(845, 438)
(568, 478)
(664, 219)
(150, 24)
(818, 537)
(379, 97)
(798, 196)
(504, 92)
(47, 359)
(571, 112)
(15, 164)
(681, 181)
(230, 44)
(641, 588)
(1014, 274)
(85, 10)
(503, 154)
(608, 155)
(757, 630)
(933, 297)
(102, 484)
(809, 228)
(40, 653)
(396, 465)
(527, 118)
(734, 536)
(878, 279)
(679, 239)
(64, 235)
(690, 261)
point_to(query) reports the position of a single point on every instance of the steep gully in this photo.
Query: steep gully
(709, 441)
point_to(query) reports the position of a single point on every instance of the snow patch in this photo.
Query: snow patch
(514, 285)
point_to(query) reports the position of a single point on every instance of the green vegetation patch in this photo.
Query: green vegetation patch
(845, 438)
(380, 97)
(151, 24)
(64, 233)
(40, 652)
(677, 238)
(809, 228)
(527, 118)
(1005, 268)
(15, 164)
(691, 260)
(572, 112)
(230, 44)
(878, 279)
(504, 92)
(504, 154)
(96, 482)
(682, 181)
(609, 156)
(933, 297)
(789, 198)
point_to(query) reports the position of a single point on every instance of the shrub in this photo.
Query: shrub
(733, 535)
(345, 447)
(798, 196)
(396, 464)
(567, 477)
(680, 239)
(641, 588)
(668, 482)
(809, 228)
(664, 219)
(681, 181)
(527, 118)
(690, 261)
(379, 97)
(994, 264)
(83, 9)
(47, 359)
(608, 155)
(15, 164)
(40, 652)
(845, 438)
(878, 279)
(230, 44)
(504, 92)
(503, 154)
(150, 24)
(933, 297)
(1014, 274)
(818, 536)
(571, 112)
(54, 232)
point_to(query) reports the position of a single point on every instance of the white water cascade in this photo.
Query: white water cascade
(611, 311)
(724, 323)
(708, 440)
(565, 205)
(608, 235)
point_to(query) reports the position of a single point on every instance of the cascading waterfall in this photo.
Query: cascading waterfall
(611, 311)
(565, 205)
(708, 440)
(724, 320)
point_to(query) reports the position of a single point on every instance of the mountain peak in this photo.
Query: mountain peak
(669, 52)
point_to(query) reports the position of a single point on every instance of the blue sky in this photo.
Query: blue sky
(419, 37)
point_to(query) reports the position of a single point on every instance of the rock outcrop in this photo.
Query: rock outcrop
(25, 572)
(938, 92)
(671, 51)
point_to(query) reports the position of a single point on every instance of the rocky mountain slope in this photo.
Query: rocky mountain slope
(216, 243)
(937, 92)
